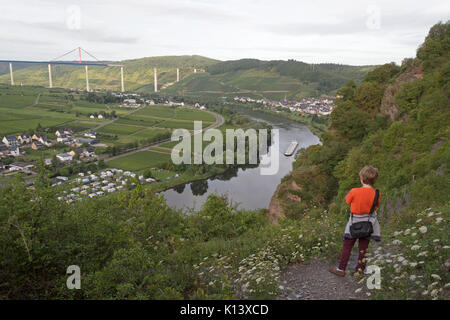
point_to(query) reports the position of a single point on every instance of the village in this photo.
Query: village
(318, 106)
(12, 147)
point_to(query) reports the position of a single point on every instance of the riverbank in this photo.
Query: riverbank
(316, 127)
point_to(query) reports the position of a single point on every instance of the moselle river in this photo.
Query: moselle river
(246, 187)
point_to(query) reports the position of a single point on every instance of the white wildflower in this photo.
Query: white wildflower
(436, 277)
(423, 229)
(415, 247)
(423, 253)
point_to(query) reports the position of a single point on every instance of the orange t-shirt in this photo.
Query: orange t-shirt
(361, 200)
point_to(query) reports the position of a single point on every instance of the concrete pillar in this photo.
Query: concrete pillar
(11, 73)
(87, 79)
(155, 79)
(50, 82)
(178, 75)
(121, 78)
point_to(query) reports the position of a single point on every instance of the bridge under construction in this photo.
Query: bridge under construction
(79, 62)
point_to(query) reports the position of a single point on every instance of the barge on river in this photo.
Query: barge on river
(290, 150)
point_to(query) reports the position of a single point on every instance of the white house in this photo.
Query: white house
(10, 141)
(62, 138)
(24, 138)
(14, 151)
(64, 157)
(20, 166)
(91, 134)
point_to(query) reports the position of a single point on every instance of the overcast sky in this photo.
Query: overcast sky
(350, 32)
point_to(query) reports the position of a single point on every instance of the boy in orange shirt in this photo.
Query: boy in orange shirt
(360, 201)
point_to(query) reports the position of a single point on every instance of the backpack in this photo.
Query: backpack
(364, 229)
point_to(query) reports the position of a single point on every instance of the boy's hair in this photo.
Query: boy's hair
(369, 175)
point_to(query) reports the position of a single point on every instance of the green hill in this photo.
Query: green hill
(138, 73)
(270, 79)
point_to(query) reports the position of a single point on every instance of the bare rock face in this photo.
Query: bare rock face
(294, 185)
(275, 209)
(388, 105)
(294, 197)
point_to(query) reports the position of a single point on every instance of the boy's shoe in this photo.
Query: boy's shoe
(337, 272)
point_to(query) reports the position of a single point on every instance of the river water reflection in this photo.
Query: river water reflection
(246, 187)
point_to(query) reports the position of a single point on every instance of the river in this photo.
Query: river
(246, 187)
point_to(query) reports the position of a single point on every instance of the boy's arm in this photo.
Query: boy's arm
(349, 197)
(378, 203)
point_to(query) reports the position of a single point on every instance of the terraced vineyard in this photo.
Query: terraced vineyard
(22, 109)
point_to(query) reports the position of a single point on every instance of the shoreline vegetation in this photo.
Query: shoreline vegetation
(317, 128)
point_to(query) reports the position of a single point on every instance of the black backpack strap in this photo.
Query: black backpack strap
(375, 201)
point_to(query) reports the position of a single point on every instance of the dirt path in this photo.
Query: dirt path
(313, 281)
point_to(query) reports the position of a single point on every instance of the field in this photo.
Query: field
(140, 160)
(152, 121)
(24, 109)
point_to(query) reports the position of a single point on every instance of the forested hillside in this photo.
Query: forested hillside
(397, 120)
(271, 79)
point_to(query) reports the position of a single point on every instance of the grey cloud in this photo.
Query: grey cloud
(84, 33)
(389, 23)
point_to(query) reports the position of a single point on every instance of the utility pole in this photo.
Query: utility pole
(155, 79)
(11, 73)
(50, 82)
(87, 79)
(121, 78)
